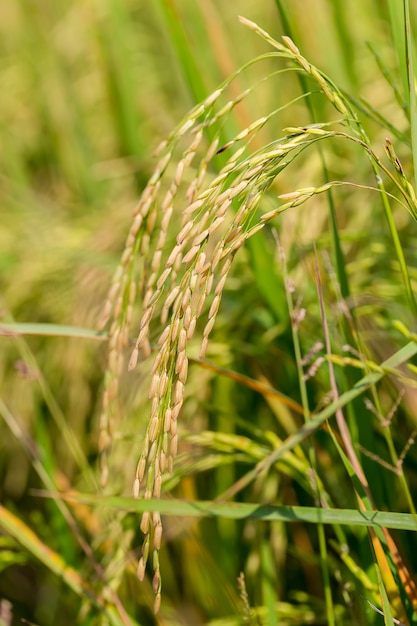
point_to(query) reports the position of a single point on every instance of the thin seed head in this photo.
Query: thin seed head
(105, 316)
(253, 171)
(158, 536)
(174, 329)
(214, 307)
(184, 232)
(179, 172)
(235, 191)
(118, 307)
(113, 359)
(146, 349)
(213, 147)
(151, 295)
(202, 174)
(182, 340)
(104, 475)
(145, 245)
(152, 278)
(182, 375)
(157, 362)
(145, 452)
(217, 257)
(226, 266)
(200, 304)
(163, 384)
(178, 392)
(172, 257)
(155, 405)
(154, 386)
(136, 488)
(201, 260)
(150, 224)
(126, 256)
(197, 140)
(167, 218)
(233, 234)
(191, 254)
(114, 289)
(215, 224)
(157, 486)
(208, 102)
(156, 260)
(193, 280)
(185, 127)
(105, 403)
(209, 283)
(163, 277)
(201, 237)
(153, 428)
(151, 458)
(220, 285)
(157, 603)
(165, 443)
(144, 524)
(173, 448)
(133, 359)
(164, 336)
(175, 411)
(203, 348)
(180, 360)
(145, 548)
(186, 298)
(167, 421)
(190, 193)
(137, 223)
(254, 230)
(141, 468)
(141, 569)
(146, 317)
(113, 389)
(191, 328)
(156, 582)
(163, 461)
(172, 296)
(104, 440)
(161, 147)
(194, 206)
(155, 553)
(224, 206)
(209, 327)
(176, 267)
(187, 317)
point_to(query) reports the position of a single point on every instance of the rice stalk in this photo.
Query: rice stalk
(190, 222)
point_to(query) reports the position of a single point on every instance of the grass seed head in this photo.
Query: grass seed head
(213, 216)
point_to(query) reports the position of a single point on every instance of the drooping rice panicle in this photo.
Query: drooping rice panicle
(193, 217)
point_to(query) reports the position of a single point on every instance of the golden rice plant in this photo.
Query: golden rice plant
(172, 280)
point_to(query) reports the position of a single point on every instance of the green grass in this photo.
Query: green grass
(265, 417)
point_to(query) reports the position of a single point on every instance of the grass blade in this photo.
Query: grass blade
(242, 510)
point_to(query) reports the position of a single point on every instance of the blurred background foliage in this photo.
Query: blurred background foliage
(89, 89)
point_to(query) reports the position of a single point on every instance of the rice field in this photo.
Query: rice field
(208, 313)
